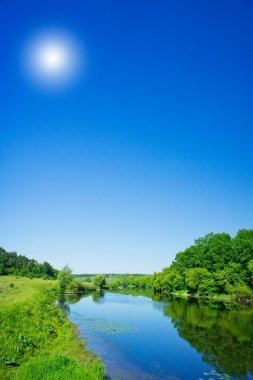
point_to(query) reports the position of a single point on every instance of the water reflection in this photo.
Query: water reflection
(98, 296)
(224, 338)
(222, 332)
(63, 304)
(74, 298)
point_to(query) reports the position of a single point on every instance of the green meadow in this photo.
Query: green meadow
(37, 340)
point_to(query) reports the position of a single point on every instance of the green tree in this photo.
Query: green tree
(171, 280)
(243, 247)
(2, 271)
(64, 278)
(11, 263)
(47, 269)
(195, 277)
(100, 281)
(250, 266)
(157, 282)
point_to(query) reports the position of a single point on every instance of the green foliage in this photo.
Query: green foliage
(87, 287)
(129, 281)
(168, 280)
(80, 287)
(241, 291)
(119, 281)
(100, 281)
(215, 264)
(64, 278)
(194, 277)
(250, 266)
(73, 287)
(11, 263)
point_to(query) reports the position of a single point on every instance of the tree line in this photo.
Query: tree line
(214, 265)
(12, 263)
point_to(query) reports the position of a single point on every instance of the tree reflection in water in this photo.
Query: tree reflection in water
(65, 300)
(223, 337)
(63, 304)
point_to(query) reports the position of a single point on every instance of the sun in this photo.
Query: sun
(53, 59)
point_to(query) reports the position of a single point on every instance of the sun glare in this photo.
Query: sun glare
(52, 59)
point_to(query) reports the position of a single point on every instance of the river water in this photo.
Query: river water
(144, 337)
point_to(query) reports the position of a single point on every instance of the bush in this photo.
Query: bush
(88, 287)
(242, 292)
(73, 287)
(80, 287)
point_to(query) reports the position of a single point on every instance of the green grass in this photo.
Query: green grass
(37, 341)
(57, 367)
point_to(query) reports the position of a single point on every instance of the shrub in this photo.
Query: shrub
(242, 292)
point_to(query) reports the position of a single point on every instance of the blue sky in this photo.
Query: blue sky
(149, 149)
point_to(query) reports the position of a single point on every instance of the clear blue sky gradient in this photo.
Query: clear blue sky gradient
(151, 148)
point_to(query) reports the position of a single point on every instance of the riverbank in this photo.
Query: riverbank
(37, 340)
(149, 292)
(221, 298)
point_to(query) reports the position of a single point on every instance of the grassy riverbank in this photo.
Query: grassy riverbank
(37, 340)
(218, 297)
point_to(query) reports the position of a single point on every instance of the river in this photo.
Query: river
(140, 336)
